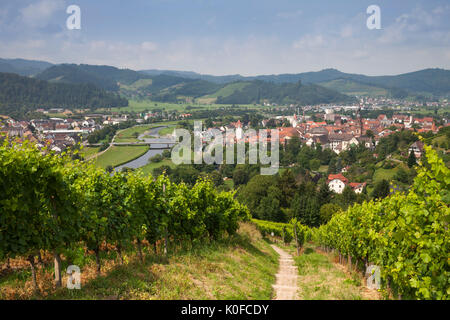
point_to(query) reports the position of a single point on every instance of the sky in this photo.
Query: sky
(221, 37)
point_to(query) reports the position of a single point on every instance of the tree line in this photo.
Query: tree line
(19, 95)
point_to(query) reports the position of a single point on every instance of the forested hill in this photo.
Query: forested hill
(429, 81)
(284, 93)
(173, 88)
(19, 95)
(23, 67)
(104, 77)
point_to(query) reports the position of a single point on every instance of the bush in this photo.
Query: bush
(156, 158)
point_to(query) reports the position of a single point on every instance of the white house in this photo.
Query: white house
(357, 186)
(337, 182)
(417, 148)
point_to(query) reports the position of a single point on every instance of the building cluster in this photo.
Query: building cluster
(339, 133)
(55, 134)
(330, 130)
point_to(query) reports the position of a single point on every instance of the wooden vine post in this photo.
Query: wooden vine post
(296, 239)
(165, 227)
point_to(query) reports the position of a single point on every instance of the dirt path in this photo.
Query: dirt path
(287, 277)
(321, 278)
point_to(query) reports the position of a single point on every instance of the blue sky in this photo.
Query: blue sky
(248, 37)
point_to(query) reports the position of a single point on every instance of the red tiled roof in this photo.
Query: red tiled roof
(338, 176)
(355, 185)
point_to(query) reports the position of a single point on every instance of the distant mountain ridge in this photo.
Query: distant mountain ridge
(172, 85)
(431, 81)
(23, 67)
(182, 87)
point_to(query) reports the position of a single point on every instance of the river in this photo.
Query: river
(143, 160)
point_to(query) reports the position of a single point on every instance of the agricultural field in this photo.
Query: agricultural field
(354, 88)
(387, 174)
(166, 131)
(88, 152)
(148, 105)
(224, 92)
(131, 134)
(118, 155)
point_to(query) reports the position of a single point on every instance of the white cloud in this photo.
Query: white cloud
(411, 26)
(349, 46)
(39, 14)
(149, 46)
(309, 41)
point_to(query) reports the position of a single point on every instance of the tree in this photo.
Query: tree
(348, 197)
(314, 164)
(306, 209)
(156, 158)
(327, 211)
(256, 190)
(381, 189)
(287, 186)
(412, 159)
(324, 194)
(401, 175)
(184, 173)
(160, 170)
(240, 176)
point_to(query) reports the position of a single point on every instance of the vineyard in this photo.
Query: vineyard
(405, 235)
(63, 208)
(53, 204)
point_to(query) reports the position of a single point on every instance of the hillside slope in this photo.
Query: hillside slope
(23, 67)
(285, 93)
(104, 77)
(19, 95)
(428, 81)
(240, 268)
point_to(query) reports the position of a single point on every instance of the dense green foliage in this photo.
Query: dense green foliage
(431, 81)
(286, 93)
(107, 132)
(19, 95)
(23, 67)
(287, 231)
(52, 203)
(406, 235)
(193, 89)
(104, 77)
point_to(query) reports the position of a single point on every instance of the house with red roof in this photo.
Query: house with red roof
(337, 182)
(358, 187)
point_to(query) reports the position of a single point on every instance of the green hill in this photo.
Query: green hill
(19, 95)
(104, 77)
(285, 93)
(23, 67)
(354, 88)
(428, 81)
